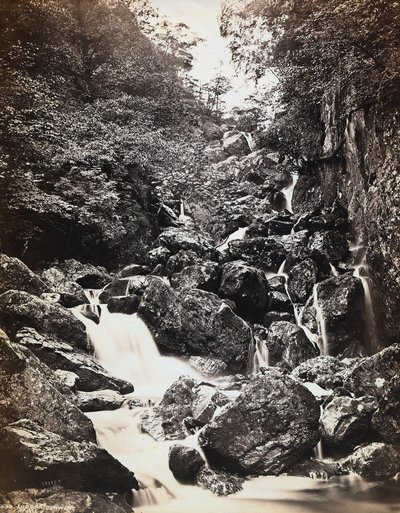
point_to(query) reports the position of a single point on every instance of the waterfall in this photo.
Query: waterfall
(324, 348)
(258, 356)
(183, 218)
(250, 140)
(288, 192)
(239, 234)
(361, 272)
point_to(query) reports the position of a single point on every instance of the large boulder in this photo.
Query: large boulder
(29, 390)
(35, 455)
(341, 303)
(15, 275)
(371, 375)
(71, 293)
(218, 482)
(20, 309)
(185, 462)
(331, 244)
(264, 253)
(177, 239)
(99, 400)
(204, 276)
(62, 356)
(287, 345)
(246, 286)
(346, 422)
(301, 280)
(267, 429)
(182, 259)
(236, 144)
(326, 371)
(386, 420)
(373, 461)
(195, 322)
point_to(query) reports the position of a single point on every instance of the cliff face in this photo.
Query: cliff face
(362, 172)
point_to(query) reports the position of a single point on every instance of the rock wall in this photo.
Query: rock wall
(362, 172)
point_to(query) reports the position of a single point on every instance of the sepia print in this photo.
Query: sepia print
(199, 256)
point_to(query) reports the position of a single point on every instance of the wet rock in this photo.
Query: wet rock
(91, 312)
(134, 270)
(29, 390)
(71, 293)
(195, 322)
(373, 461)
(99, 400)
(274, 316)
(246, 286)
(331, 244)
(20, 309)
(301, 280)
(267, 429)
(204, 276)
(219, 483)
(370, 375)
(277, 283)
(36, 455)
(386, 420)
(177, 239)
(205, 401)
(125, 305)
(345, 422)
(15, 275)
(326, 371)
(287, 345)
(185, 463)
(341, 300)
(281, 302)
(236, 144)
(307, 194)
(123, 287)
(208, 366)
(315, 469)
(263, 253)
(59, 355)
(87, 276)
(49, 500)
(158, 255)
(212, 131)
(176, 263)
(67, 379)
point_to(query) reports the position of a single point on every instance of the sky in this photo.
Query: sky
(212, 55)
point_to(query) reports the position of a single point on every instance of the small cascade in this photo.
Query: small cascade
(318, 451)
(324, 346)
(258, 356)
(361, 272)
(183, 218)
(334, 271)
(288, 192)
(93, 296)
(239, 234)
(250, 140)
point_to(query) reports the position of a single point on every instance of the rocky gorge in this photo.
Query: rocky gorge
(245, 358)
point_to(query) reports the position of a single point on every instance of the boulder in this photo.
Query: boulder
(119, 287)
(99, 400)
(386, 420)
(35, 455)
(158, 255)
(327, 372)
(371, 375)
(218, 482)
(177, 239)
(341, 301)
(61, 356)
(212, 131)
(236, 144)
(20, 309)
(274, 316)
(134, 270)
(67, 379)
(49, 500)
(331, 244)
(29, 390)
(373, 461)
(280, 302)
(195, 322)
(176, 263)
(185, 462)
(86, 275)
(266, 430)
(301, 280)
(126, 305)
(71, 293)
(204, 276)
(263, 253)
(246, 286)
(15, 275)
(208, 366)
(287, 345)
(345, 422)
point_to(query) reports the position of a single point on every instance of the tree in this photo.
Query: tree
(215, 89)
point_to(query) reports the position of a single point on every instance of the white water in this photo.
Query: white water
(239, 234)
(183, 218)
(324, 346)
(288, 192)
(250, 140)
(258, 356)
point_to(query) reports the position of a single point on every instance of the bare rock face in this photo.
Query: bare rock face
(266, 430)
(236, 144)
(195, 322)
(346, 422)
(29, 391)
(177, 239)
(375, 461)
(185, 462)
(203, 276)
(330, 244)
(15, 275)
(326, 371)
(263, 253)
(246, 286)
(20, 309)
(386, 420)
(36, 455)
(301, 280)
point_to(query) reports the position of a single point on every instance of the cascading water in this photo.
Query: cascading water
(258, 356)
(183, 218)
(324, 347)
(239, 234)
(288, 192)
(250, 141)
